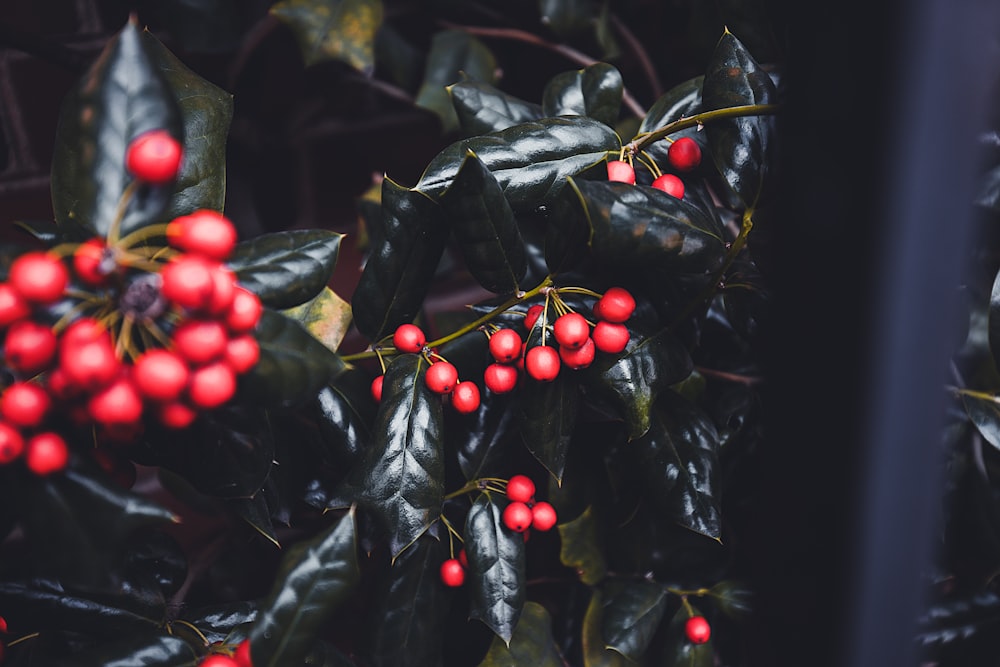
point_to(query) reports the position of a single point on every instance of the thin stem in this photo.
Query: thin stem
(748, 380)
(116, 224)
(142, 234)
(641, 141)
(193, 628)
(15, 642)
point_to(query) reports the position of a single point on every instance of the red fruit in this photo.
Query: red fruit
(118, 403)
(160, 375)
(542, 363)
(543, 516)
(242, 353)
(617, 305)
(621, 171)
(218, 660)
(452, 573)
(242, 654)
(3, 625)
(517, 516)
(697, 629)
(212, 385)
(463, 558)
(38, 277)
(377, 388)
(571, 330)
(24, 404)
(520, 488)
(200, 341)
(441, 377)
(204, 232)
(500, 378)
(11, 443)
(30, 347)
(188, 281)
(505, 345)
(223, 290)
(176, 415)
(409, 338)
(670, 184)
(46, 453)
(532, 316)
(92, 262)
(87, 365)
(465, 397)
(154, 157)
(244, 312)
(83, 330)
(684, 154)
(13, 307)
(580, 358)
(610, 337)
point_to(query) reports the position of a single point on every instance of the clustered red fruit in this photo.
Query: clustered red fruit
(442, 378)
(683, 155)
(524, 512)
(697, 629)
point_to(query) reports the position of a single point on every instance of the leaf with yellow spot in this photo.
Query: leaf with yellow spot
(326, 316)
(334, 29)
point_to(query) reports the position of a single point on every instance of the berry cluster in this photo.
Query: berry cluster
(523, 513)
(684, 155)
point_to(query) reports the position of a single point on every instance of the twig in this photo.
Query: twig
(645, 63)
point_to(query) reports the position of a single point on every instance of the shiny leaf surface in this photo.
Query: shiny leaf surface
(984, 411)
(595, 651)
(145, 650)
(947, 625)
(326, 316)
(733, 598)
(681, 101)
(632, 614)
(216, 622)
(580, 547)
(496, 568)
(43, 604)
(333, 29)
(482, 450)
(287, 268)
(454, 55)
(547, 414)
(594, 91)
(482, 108)
(532, 642)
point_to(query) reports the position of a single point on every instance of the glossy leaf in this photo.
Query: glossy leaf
(733, 598)
(547, 414)
(640, 226)
(594, 91)
(680, 651)
(287, 268)
(580, 547)
(454, 55)
(293, 365)
(496, 568)
(121, 96)
(343, 418)
(216, 622)
(984, 411)
(681, 101)
(401, 477)
(482, 108)
(314, 578)
(398, 272)
(738, 146)
(595, 651)
(257, 513)
(565, 17)
(483, 449)
(632, 614)
(677, 460)
(333, 29)
(636, 377)
(532, 642)
(144, 650)
(44, 605)
(949, 624)
(326, 316)
(411, 608)
(485, 228)
(530, 161)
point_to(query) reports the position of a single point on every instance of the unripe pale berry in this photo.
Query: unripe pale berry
(452, 573)
(684, 154)
(542, 363)
(441, 377)
(670, 184)
(500, 378)
(154, 157)
(543, 516)
(465, 397)
(520, 488)
(409, 338)
(571, 330)
(517, 516)
(697, 629)
(505, 345)
(619, 170)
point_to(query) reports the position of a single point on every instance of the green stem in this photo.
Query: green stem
(645, 139)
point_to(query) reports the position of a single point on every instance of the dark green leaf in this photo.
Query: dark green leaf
(739, 146)
(344, 415)
(401, 478)
(532, 642)
(326, 316)
(483, 449)
(566, 17)
(640, 226)
(45, 605)
(144, 650)
(984, 411)
(256, 512)
(679, 651)
(547, 413)
(334, 29)
(496, 568)
(604, 33)
(398, 272)
(636, 377)
(482, 108)
(580, 547)
(218, 621)
(961, 621)
(411, 608)
(530, 161)
(314, 578)
(485, 228)
(122, 95)
(454, 54)
(988, 195)
(595, 650)
(293, 365)
(287, 268)
(733, 598)
(677, 460)
(632, 614)
(594, 91)
(567, 233)
(681, 101)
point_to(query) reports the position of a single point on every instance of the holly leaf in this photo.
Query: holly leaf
(152, 650)
(326, 316)
(314, 578)
(485, 227)
(496, 568)
(44, 604)
(333, 30)
(632, 615)
(733, 598)
(218, 621)
(287, 268)
(343, 416)
(482, 450)
(547, 413)
(959, 626)
(594, 91)
(681, 101)
(531, 644)
(482, 108)
(580, 547)
(984, 411)
(454, 54)
(595, 651)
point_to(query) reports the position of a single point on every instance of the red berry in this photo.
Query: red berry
(377, 388)
(242, 654)
(46, 453)
(571, 330)
(505, 345)
(452, 573)
(465, 397)
(500, 378)
(244, 312)
(670, 184)
(610, 337)
(580, 358)
(684, 154)
(30, 347)
(409, 338)
(92, 261)
(188, 281)
(543, 516)
(204, 232)
(160, 375)
(223, 290)
(463, 558)
(118, 403)
(617, 305)
(619, 170)
(83, 330)
(176, 415)
(697, 629)
(200, 341)
(154, 157)
(520, 488)
(218, 660)
(3, 625)
(87, 365)
(242, 353)
(13, 307)
(532, 316)
(441, 377)
(542, 363)
(24, 404)
(11, 443)
(517, 516)
(212, 385)
(38, 277)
